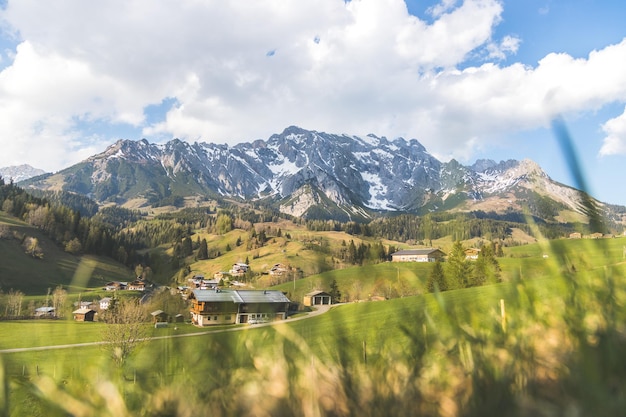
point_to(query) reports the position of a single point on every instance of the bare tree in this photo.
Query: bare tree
(126, 329)
(14, 303)
(59, 297)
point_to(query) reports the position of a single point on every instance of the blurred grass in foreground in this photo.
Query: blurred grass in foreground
(558, 352)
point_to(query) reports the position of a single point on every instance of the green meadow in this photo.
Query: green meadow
(549, 340)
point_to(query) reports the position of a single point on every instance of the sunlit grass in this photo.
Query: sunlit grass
(556, 346)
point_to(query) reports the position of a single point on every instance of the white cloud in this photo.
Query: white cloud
(441, 8)
(615, 141)
(499, 51)
(365, 66)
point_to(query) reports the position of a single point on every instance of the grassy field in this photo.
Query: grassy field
(548, 341)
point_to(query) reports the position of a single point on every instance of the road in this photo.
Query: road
(320, 310)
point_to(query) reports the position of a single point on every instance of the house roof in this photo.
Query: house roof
(267, 296)
(240, 296)
(409, 252)
(157, 313)
(82, 310)
(314, 293)
(45, 309)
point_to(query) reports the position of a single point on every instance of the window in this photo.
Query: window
(214, 317)
(226, 317)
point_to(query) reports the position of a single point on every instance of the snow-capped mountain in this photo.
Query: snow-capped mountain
(312, 174)
(20, 172)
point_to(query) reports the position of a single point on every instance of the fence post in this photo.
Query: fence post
(503, 314)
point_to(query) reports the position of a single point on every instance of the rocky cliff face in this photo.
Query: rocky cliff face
(308, 173)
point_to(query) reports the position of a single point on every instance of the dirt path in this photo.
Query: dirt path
(320, 310)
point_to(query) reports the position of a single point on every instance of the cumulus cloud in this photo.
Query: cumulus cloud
(615, 141)
(244, 70)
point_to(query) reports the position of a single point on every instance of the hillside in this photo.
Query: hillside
(23, 272)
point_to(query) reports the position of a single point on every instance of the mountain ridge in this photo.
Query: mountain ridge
(18, 173)
(313, 174)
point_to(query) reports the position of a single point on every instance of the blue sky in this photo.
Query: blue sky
(468, 79)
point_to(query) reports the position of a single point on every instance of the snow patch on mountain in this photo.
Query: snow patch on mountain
(19, 173)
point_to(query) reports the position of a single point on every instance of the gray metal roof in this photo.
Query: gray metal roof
(241, 296)
(222, 296)
(257, 296)
(415, 252)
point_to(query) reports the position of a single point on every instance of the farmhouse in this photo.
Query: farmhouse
(115, 285)
(417, 255)
(44, 312)
(105, 303)
(239, 269)
(159, 316)
(472, 254)
(279, 270)
(221, 306)
(137, 285)
(84, 314)
(315, 298)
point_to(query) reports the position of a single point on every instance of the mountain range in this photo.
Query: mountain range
(20, 172)
(317, 175)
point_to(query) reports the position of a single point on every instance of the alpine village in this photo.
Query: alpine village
(337, 274)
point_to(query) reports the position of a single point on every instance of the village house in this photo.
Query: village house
(315, 298)
(105, 303)
(45, 312)
(417, 255)
(222, 306)
(159, 316)
(198, 281)
(279, 270)
(137, 285)
(239, 269)
(84, 314)
(472, 254)
(115, 285)
(84, 304)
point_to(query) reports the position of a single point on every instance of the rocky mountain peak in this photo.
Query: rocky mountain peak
(19, 173)
(309, 173)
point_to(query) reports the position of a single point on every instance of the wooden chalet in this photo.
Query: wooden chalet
(225, 306)
(159, 316)
(417, 255)
(84, 314)
(115, 286)
(239, 269)
(137, 285)
(279, 270)
(472, 253)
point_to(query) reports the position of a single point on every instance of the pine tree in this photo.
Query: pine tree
(334, 292)
(458, 268)
(486, 268)
(187, 247)
(437, 278)
(203, 250)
